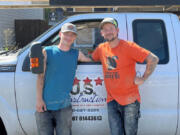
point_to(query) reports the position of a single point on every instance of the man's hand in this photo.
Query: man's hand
(83, 58)
(152, 61)
(40, 106)
(139, 80)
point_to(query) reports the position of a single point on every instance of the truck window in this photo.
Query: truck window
(88, 39)
(88, 36)
(151, 34)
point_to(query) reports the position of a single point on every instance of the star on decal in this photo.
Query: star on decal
(76, 81)
(98, 81)
(87, 81)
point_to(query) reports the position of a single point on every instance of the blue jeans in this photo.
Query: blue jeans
(123, 120)
(60, 121)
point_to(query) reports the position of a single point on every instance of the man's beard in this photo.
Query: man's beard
(112, 39)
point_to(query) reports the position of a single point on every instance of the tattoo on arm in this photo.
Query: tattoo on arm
(90, 56)
(152, 61)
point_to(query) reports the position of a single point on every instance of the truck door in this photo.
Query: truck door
(88, 95)
(159, 94)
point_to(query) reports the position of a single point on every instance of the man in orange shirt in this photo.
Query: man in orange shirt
(118, 58)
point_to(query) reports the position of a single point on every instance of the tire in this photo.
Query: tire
(2, 128)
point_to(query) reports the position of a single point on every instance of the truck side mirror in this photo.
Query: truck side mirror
(36, 58)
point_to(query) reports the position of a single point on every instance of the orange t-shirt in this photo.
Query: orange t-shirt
(119, 69)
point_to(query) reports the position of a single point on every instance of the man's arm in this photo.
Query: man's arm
(83, 58)
(40, 105)
(152, 61)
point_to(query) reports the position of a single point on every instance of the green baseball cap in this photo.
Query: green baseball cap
(108, 20)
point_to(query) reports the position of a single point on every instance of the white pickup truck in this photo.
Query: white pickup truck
(160, 107)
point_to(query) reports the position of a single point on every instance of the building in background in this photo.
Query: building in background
(172, 6)
(7, 20)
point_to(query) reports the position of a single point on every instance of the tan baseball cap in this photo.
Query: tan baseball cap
(108, 20)
(69, 27)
